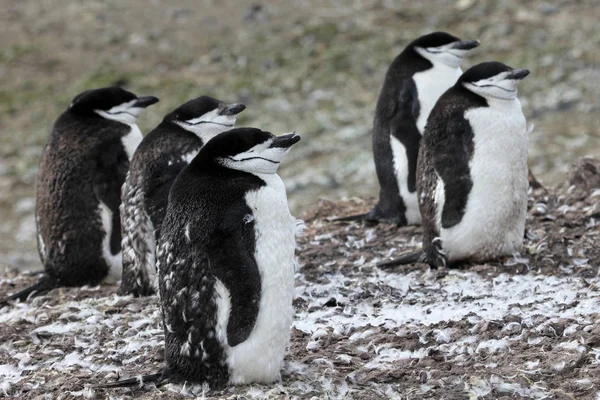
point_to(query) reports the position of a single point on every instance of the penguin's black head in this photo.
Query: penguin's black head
(205, 116)
(443, 48)
(493, 80)
(112, 103)
(248, 149)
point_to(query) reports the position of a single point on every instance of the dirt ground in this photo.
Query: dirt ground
(523, 327)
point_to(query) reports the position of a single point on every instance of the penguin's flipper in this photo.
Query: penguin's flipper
(157, 196)
(404, 128)
(395, 121)
(450, 153)
(44, 285)
(158, 379)
(406, 258)
(111, 170)
(237, 269)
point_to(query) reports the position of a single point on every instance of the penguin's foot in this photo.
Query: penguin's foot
(441, 272)
(434, 254)
(402, 259)
(137, 291)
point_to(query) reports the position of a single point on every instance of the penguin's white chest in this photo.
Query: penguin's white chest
(431, 84)
(413, 214)
(494, 220)
(114, 261)
(260, 357)
(132, 140)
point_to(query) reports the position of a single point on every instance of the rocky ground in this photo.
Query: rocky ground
(312, 66)
(522, 327)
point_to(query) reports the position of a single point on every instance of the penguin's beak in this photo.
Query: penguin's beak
(517, 74)
(285, 141)
(465, 44)
(145, 101)
(233, 109)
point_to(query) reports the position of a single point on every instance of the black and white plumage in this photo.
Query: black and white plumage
(226, 264)
(160, 157)
(81, 171)
(472, 170)
(414, 81)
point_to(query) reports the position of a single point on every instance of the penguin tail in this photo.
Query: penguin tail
(357, 217)
(533, 182)
(159, 379)
(44, 285)
(371, 217)
(406, 258)
(33, 273)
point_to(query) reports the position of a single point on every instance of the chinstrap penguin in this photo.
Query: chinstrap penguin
(226, 264)
(414, 81)
(472, 170)
(160, 157)
(82, 168)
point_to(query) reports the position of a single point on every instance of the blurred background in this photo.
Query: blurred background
(311, 66)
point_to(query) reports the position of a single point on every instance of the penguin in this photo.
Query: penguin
(472, 170)
(225, 259)
(418, 76)
(81, 170)
(160, 157)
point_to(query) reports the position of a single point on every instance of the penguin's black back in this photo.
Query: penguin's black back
(157, 162)
(84, 159)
